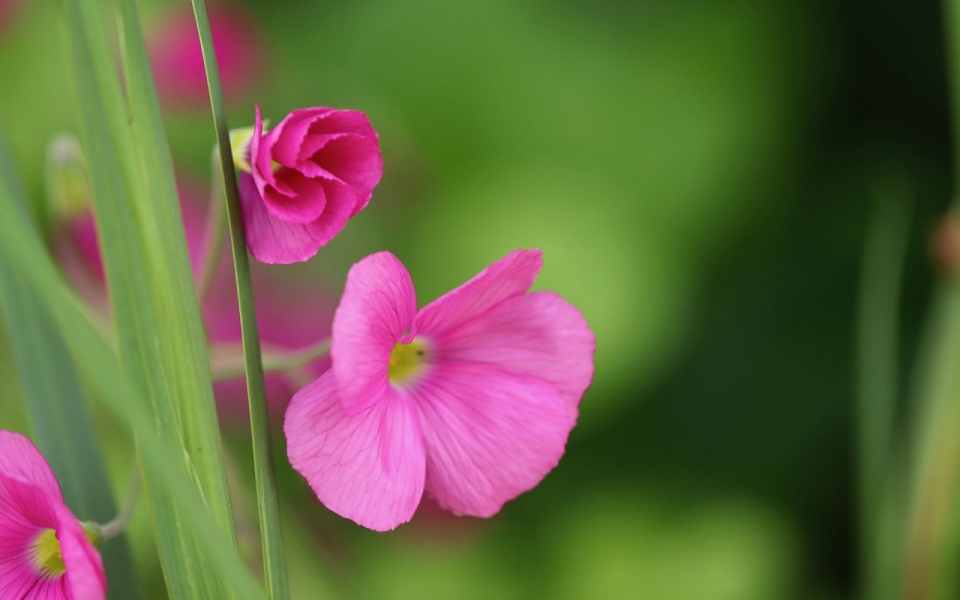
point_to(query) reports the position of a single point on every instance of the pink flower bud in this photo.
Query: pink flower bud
(309, 175)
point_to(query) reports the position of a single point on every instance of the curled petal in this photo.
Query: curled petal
(295, 198)
(353, 159)
(84, 575)
(510, 276)
(351, 121)
(369, 467)
(490, 435)
(538, 334)
(377, 307)
(274, 241)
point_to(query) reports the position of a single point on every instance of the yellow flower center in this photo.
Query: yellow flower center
(407, 361)
(46, 554)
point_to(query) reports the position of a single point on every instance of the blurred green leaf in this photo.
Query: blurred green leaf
(57, 409)
(172, 477)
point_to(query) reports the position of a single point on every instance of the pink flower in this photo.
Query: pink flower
(471, 399)
(177, 61)
(44, 552)
(307, 177)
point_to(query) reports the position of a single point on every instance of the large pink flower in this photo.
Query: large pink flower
(471, 399)
(44, 552)
(308, 176)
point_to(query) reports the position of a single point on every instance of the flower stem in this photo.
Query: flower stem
(119, 524)
(214, 234)
(226, 360)
(274, 566)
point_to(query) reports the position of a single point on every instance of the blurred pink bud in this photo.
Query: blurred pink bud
(7, 10)
(177, 60)
(44, 550)
(308, 176)
(290, 317)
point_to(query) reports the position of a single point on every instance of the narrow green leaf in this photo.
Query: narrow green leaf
(166, 236)
(57, 409)
(126, 402)
(877, 389)
(274, 566)
(156, 335)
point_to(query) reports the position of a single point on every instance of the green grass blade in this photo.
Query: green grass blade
(274, 565)
(125, 401)
(198, 415)
(153, 341)
(57, 410)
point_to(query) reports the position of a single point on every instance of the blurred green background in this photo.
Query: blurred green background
(699, 176)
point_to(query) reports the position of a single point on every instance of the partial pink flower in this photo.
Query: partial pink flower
(290, 316)
(177, 60)
(44, 552)
(471, 399)
(308, 176)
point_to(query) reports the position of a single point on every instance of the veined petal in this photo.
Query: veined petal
(369, 467)
(20, 459)
(335, 121)
(17, 571)
(274, 241)
(377, 307)
(538, 334)
(490, 434)
(510, 276)
(354, 159)
(283, 142)
(85, 578)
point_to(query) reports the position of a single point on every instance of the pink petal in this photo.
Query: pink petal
(259, 161)
(85, 578)
(17, 532)
(538, 334)
(490, 435)
(283, 142)
(20, 459)
(337, 121)
(377, 307)
(354, 159)
(281, 242)
(294, 197)
(369, 467)
(510, 276)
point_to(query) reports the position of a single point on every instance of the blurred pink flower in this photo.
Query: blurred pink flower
(290, 317)
(308, 176)
(471, 399)
(174, 49)
(44, 551)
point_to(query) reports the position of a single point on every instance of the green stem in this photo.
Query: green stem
(119, 524)
(214, 234)
(274, 567)
(226, 360)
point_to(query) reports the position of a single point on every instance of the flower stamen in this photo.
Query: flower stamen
(46, 554)
(407, 361)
